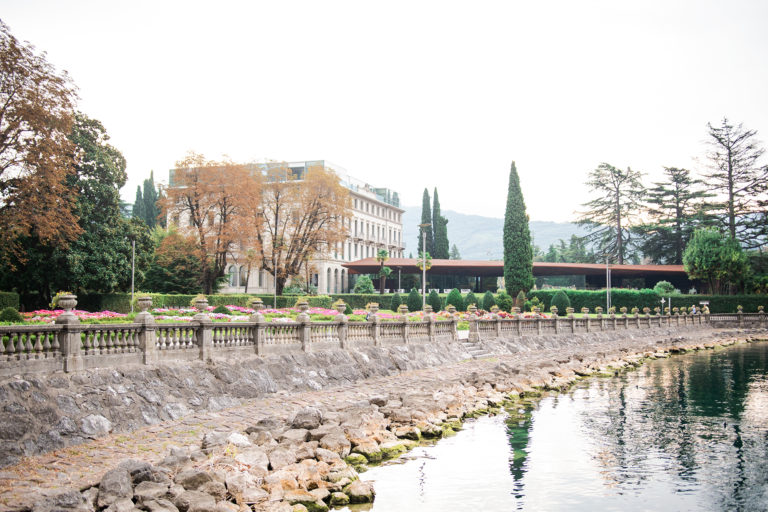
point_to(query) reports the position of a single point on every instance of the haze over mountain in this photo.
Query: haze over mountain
(479, 238)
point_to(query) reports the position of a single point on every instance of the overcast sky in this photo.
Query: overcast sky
(414, 94)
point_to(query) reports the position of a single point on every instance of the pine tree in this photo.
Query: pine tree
(414, 300)
(470, 299)
(454, 255)
(395, 302)
(488, 300)
(441, 230)
(138, 205)
(518, 255)
(454, 299)
(426, 218)
(434, 300)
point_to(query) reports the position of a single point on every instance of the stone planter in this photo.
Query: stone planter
(402, 309)
(201, 305)
(144, 303)
(427, 309)
(67, 302)
(257, 304)
(341, 308)
(373, 308)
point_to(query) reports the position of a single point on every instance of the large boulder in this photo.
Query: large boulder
(336, 443)
(115, 485)
(307, 418)
(281, 457)
(360, 492)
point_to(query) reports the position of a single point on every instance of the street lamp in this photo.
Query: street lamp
(424, 263)
(607, 285)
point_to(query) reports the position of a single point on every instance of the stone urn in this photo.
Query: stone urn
(144, 303)
(553, 310)
(495, 310)
(402, 309)
(341, 308)
(303, 306)
(201, 305)
(647, 310)
(657, 310)
(428, 309)
(585, 311)
(257, 304)
(760, 309)
(516, 310)
(472, 309)
(67, 302)
(739, 309)
(623, 311)
(569, 311)
(373, 307)
(599, 310)
(451, 309)
(537, 310)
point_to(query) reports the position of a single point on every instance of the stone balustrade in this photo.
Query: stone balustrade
(70, 346)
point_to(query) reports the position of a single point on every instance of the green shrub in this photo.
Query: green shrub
(520, 301)
(364, 284)
(414, 300)
(488, 301)
(434, 300)
(561, 301)
(504, 301)
(664, 288)
(9, 300)
(10, 314)
(222, 310)
(395, 302)
(527, 306)
(469, 299)
(455, 300)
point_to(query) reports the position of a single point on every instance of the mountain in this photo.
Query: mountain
(479, 238)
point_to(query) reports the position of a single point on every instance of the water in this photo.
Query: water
(685, 433)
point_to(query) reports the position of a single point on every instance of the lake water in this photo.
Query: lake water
(685, 433)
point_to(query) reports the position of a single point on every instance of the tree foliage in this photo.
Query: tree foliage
(488, 300)
(36, 152)
(717, 260)
(426, 218)
(395, 302)
(454, 299)
(455, 254)
(561, 300)
(414, 300)
(175, 266)
(363, 285)
(434, 300)
(440, 223)
(518, 256)
(574, 251)
(610, 216)
(737, 179)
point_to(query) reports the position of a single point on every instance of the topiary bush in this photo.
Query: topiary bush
(504, 301)
(488, 301)
(364, 284)
(434, 300)
(395, 302)
(414, 300)
(10, 314)
(561, 301)
(664, 288)
(222, 310)
(455, 300)
(470, 298)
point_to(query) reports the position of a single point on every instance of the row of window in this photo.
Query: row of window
(335, 279)
(379, 211)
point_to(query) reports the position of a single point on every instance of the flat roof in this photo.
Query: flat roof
(484, 268)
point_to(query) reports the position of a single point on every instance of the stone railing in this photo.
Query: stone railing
(70, 346)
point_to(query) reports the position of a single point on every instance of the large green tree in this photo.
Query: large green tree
(440, 223)
(715, 259)
(175, 266)
(518, 256)
(610, 216)
(674, 210)
(739, 180)
(426, 218)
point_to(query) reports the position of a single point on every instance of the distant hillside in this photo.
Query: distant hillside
(479, 238)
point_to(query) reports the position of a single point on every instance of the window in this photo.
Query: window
(243, 277)
(232, 272)
(261, 278)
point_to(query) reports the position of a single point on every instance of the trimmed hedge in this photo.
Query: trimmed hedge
(9, 300)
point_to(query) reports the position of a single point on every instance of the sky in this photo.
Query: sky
(414, 94)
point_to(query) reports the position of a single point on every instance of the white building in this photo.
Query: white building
(376, 223)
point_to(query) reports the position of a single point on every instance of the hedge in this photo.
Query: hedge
(9, 300)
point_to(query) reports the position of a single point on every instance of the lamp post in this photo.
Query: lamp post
(133, 268)
(607, 285)
(424, 264)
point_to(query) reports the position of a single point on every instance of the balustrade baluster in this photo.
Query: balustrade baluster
(26, 346)
(38, 346)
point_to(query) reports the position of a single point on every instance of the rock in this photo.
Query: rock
(337, 476)
(355, 459)
(140, 471)
(327, 455)
(378, 400)
(147, 491)
(270, 423)
(215, 438)
(336, 443)
(177, 457)
(122, 505)
(321, 494)
(192, 479)
(294, 435)
(254, 458)
(216, 489)
(225, 506)
(323, 430)
(339, 499)
(306, 450)
(370, 450)
(195, 501)
(307, 418)
(360, 492)
(302, 497)
(253, 495)
(160, 505)
(392, 449)
(239, 440)
(281, 457)
(95, 425)
(260, 438)
(408, 432)
(66, 501)
(115, 484)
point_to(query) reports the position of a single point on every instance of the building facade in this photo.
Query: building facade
(376, 223)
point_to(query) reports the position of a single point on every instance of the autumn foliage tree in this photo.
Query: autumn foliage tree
(300, 217)
(36, 153)
(211, 199)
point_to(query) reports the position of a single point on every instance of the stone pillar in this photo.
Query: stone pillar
(474, 330)
(519, 319)
(148, 334)
(375, 328)
(204, 330)
(761, 316)
(740, 315)
(497, 321)
(69, 336)
(403, 309)
(259, 336)
(343, 327)
(304, 326)
(430, 318)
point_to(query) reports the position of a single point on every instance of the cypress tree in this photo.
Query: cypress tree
(470, 299)
(138, 205)
(426, 218)
(454, 299)
(151, 208)
(395, 302)
(518, 256)
(488, 300)
(414, 300)
(440, 223)
(434, 300)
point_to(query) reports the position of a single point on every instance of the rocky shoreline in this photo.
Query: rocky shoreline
(305, 451)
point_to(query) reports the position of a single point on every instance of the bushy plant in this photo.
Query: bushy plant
(396, 301)
(364, 284)
(55, 300)
(664, 288)
(222, 310)
(561, 300)
(10, 314)
(504, 301)
(455, 300)
(470, 299)
(194, 299)
(414, 300)
(520, 301)
(488, 301)
(434, 300)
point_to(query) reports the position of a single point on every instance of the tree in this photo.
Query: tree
(737, 179)
(426, 218)
(440, 223)
(214, 200)
(434, 300)
(36, 152)
(414, 300)
(363, 285)
(518, 256)
(561, 301)
(454, 299)
(454, 255)
(395, 302)
(470, 299)
(382, 256)
(674, 210)
(610, 216)
(715, 259)
(664, 288)
(152, 208)
(175, 266)
(488, 300)
(138, 205)
(299, 216)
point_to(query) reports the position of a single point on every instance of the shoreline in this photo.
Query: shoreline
(288, 449)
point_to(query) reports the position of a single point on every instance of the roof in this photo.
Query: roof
(496, 268)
